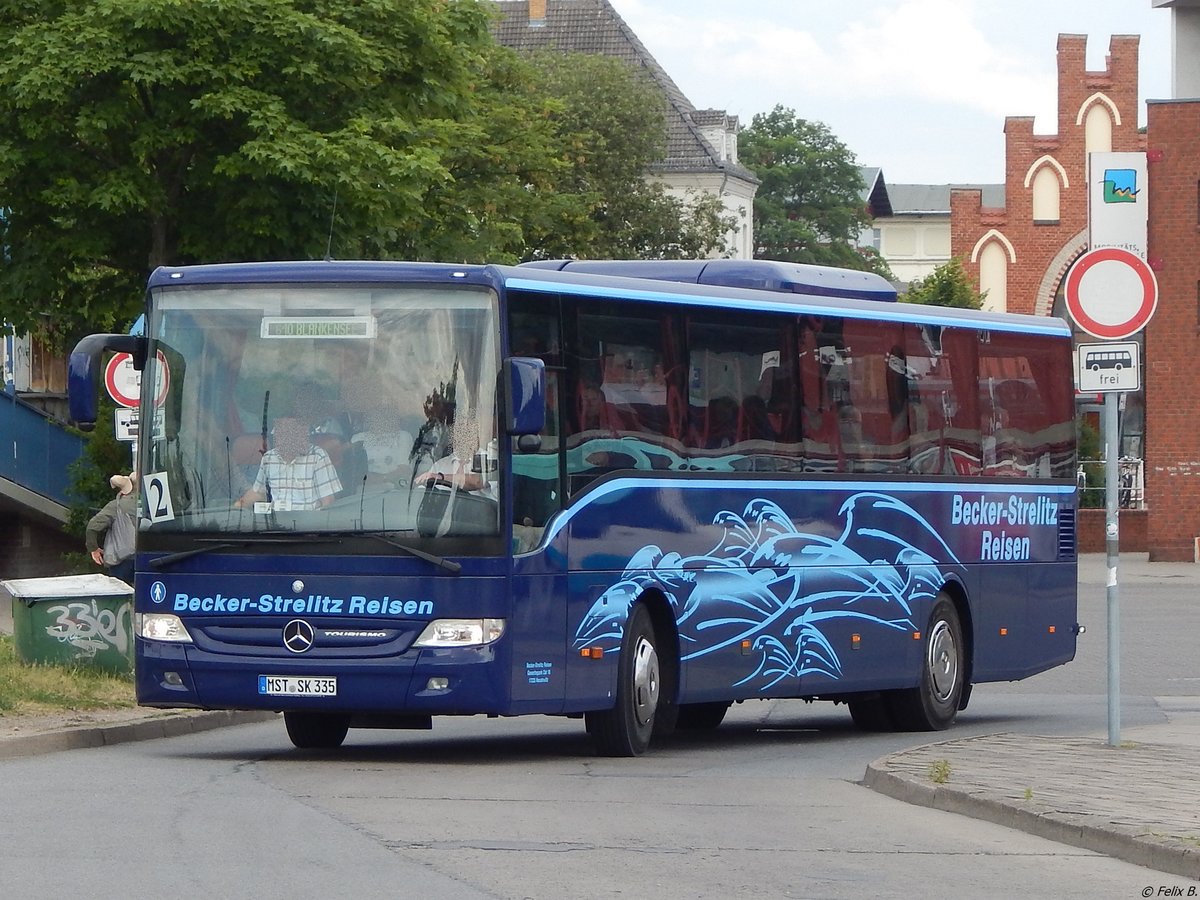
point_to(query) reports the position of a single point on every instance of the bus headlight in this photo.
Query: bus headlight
(460, 633)
(160, 627)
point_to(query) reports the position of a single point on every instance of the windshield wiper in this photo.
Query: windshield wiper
(160, 561)
(209, 546)
(440, 561)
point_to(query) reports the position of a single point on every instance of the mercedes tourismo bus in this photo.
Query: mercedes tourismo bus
(635, 500)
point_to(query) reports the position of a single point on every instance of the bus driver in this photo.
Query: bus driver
(294, 474)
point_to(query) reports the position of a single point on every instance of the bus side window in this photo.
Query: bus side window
(818, 419)
(537, 494)
(874, 418)
(943, 417)
(1026, 417)
(626, 411)
(741, 394)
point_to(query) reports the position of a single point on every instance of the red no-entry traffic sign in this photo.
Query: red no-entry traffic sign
(1111, 293)
(124, 382)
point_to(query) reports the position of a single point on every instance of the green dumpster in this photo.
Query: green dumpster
(73, 620)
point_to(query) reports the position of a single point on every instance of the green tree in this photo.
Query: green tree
(135, 133)
(103, 456)
(809, 207)
(947, 285)
(505, 174)
(610, 122)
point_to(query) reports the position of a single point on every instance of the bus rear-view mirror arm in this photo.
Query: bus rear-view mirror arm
(83, 371)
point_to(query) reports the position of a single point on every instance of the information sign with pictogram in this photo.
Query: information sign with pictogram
(1110, 366)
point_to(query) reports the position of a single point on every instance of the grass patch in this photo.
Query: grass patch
(38, 689)
(939, 771)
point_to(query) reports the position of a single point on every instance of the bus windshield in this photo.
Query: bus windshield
(322, 408)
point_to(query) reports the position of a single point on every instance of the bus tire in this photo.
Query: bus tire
(701, 716)
(316, 731)
(933, 704)
(625, 730)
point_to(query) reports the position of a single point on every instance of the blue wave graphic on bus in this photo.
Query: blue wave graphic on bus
(643, 455)
(778, 586)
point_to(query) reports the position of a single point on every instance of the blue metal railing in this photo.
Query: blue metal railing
(35, 449)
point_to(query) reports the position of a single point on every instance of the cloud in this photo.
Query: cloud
(921, 87)
(918, 51)
(934, 50)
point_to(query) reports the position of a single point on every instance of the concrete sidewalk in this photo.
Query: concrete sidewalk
(1139, 802)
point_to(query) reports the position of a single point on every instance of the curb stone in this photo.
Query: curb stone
(1134, 845)
(165, 726)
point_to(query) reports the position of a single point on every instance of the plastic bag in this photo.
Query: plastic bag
(119, 539)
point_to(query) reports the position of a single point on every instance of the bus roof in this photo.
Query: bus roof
(547, 279)
(759, 274)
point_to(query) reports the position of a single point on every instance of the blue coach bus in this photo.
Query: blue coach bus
(374, 493)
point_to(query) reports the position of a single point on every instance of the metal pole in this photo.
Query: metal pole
(1112, 548)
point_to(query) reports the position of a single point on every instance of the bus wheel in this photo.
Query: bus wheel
(932, 705)
(701, 716)
(316, 731)
(625, 729)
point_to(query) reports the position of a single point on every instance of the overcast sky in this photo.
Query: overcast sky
(919, 88)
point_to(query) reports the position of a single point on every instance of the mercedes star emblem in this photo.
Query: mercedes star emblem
(298, 635)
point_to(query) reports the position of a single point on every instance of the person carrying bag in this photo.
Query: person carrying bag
(111, 533)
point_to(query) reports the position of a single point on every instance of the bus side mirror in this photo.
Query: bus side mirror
(525, 391)
(83, 371)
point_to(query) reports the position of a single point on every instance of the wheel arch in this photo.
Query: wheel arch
(666, 632)
(957, 592)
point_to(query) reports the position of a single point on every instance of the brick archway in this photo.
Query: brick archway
(1056, 271)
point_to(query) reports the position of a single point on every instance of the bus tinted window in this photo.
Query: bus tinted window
(1025, 416)
(874, 417)
(628, 403)
(824, 390)
(943, 422)
(534, 332)
(740, 395)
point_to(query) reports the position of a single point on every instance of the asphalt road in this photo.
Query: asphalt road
(767, 806)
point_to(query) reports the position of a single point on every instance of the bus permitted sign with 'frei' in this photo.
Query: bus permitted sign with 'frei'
(1108, 367)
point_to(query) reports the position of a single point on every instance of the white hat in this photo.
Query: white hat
(123, 484)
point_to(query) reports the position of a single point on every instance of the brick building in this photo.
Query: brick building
(1172, 339)
(1021, 253)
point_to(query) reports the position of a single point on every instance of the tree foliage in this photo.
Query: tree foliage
(135, 133)
(139, 133)
(809, 207)
(103, 456)
(947, 285)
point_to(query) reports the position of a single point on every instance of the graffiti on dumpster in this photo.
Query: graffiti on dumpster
(88, 629)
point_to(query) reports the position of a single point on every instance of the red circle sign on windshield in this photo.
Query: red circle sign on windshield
(124, 382)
